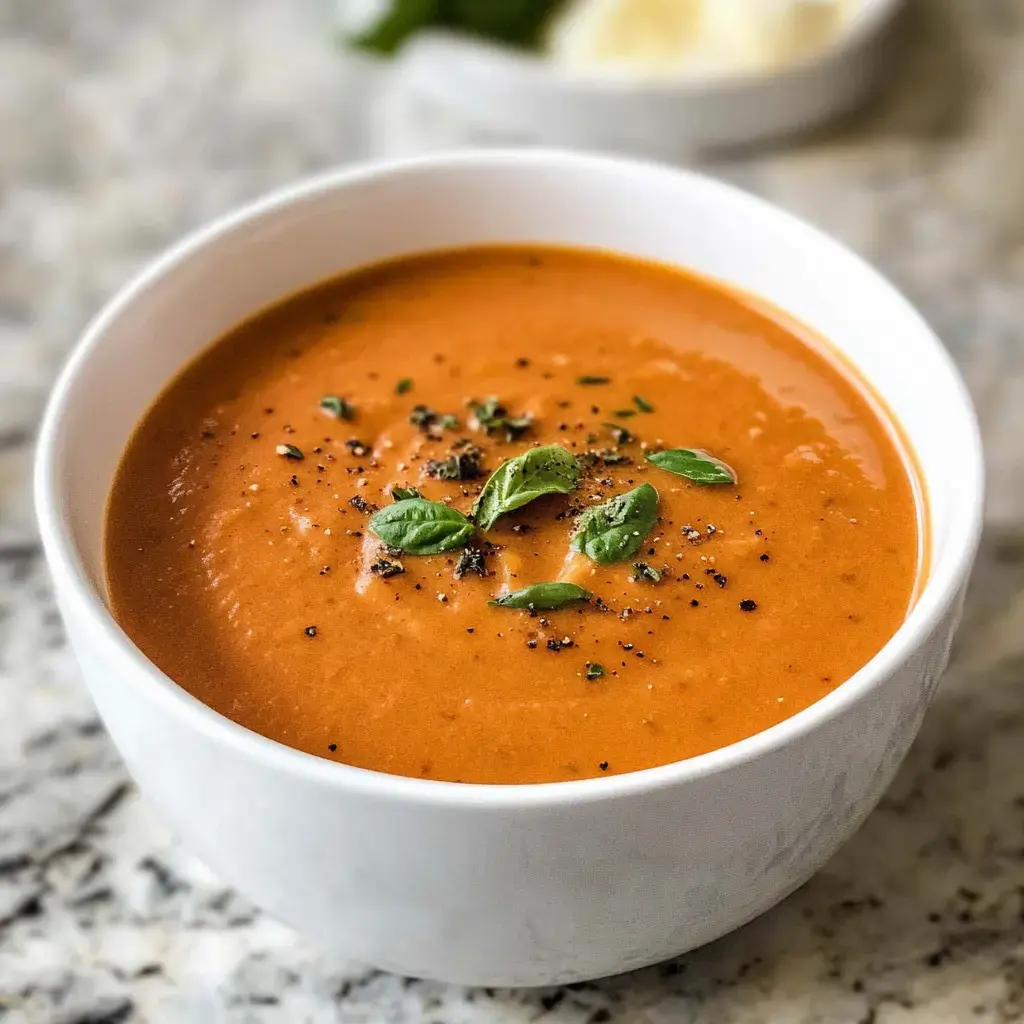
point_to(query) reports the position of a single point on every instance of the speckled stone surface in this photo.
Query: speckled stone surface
(124, 123)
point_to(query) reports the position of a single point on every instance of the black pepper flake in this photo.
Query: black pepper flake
(294, 481)
(758, 533)
(361, 504)
(603, 766)
(720, 579)
(748, 605)
(522, 528)
(765, 558)
(310, 631)
(464, 464)
(694, 603)
(332, 747)
(554, 645)
(592, 379)
(531, 644)
(356, 447)
(385, 568)
(255, 434)
(470, 629)
(471, 560)
(522, 363)
(289, 451)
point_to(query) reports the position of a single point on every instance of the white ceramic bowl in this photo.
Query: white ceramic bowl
(523, 96)
(517, 885)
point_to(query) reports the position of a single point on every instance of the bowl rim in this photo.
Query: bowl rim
(77, 592)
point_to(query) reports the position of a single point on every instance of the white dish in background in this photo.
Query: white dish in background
(506, 885)
(517, 95)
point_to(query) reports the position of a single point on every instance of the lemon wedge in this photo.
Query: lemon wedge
(657, 38)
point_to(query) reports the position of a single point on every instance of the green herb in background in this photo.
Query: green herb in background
(515, 22)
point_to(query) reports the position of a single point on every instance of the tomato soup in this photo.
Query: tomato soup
(510, 515)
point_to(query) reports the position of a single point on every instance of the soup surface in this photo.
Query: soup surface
(245, 542)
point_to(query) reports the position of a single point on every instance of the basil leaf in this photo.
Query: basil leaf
(619, 433)
(420, 527)
(642, 404)
(590, 378)
(548, 470)
(615, 529)
(594, 670)
(405, 384)
(401, 20)
(463, 464)
(647, 572)
(404, 493)
(543, 596)
(492, 416)
(338, 407)
(693, 463)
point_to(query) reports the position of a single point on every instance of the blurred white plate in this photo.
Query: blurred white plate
(514, 94)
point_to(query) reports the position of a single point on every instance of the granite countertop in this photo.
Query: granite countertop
(125, 123)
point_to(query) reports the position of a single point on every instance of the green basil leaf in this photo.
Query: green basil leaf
(420, 527)
(543, 597)
(548, 470)
(619, 433)
(693, 463)
(647, 572)
(338, 407)
(404, 493)
(493, 417)
(594, 670)
(615, 530)
(401, 19)
(642, 404)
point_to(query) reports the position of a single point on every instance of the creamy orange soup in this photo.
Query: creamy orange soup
(333, 526)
